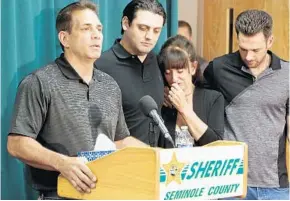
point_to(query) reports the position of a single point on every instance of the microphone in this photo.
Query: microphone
(149, 107)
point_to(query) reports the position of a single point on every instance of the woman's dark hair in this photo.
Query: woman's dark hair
(174, 54)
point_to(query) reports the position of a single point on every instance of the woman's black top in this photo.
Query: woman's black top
(209, 107)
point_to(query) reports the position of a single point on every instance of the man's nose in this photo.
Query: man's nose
(250, 55)
(149, 34)
(96, 33)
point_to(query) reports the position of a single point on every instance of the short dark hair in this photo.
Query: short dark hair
(147, 5)
(251, 22)
(182, 23)
(174, 54)
(64, 17)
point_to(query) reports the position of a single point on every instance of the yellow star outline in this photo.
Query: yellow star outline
(173, 170)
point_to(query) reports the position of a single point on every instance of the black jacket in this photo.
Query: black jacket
(209, 107)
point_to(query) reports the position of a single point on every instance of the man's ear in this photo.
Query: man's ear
(63, 38)
(270, 41)
(125, 23)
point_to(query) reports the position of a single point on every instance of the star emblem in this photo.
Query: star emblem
(173, 170)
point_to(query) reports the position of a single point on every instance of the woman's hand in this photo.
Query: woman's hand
(178, 98)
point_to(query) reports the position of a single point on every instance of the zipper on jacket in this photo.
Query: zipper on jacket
(254, 78)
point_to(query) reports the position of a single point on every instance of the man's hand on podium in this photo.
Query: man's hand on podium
(78, 174)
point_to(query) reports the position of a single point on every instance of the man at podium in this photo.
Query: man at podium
(61, 108)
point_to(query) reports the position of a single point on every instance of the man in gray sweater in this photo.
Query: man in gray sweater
(254, 82)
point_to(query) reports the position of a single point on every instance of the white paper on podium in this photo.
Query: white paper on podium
(103, 143)
(103, 146)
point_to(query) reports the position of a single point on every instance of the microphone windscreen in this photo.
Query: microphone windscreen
(147, 104)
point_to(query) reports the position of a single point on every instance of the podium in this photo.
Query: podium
(217, 170)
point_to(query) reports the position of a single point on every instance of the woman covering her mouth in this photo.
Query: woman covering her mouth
(187, 103)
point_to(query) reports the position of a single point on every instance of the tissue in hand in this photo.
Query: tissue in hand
(103, 147)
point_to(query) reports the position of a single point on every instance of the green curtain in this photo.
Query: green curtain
(29, 41)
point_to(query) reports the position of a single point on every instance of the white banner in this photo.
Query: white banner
(201, 172)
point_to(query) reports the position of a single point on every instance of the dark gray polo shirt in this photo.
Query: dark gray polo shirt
(256, 112)
(58, 109)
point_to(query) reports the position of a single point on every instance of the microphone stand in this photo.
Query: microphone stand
(169, 138)
(166, 135)
(152, 135)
